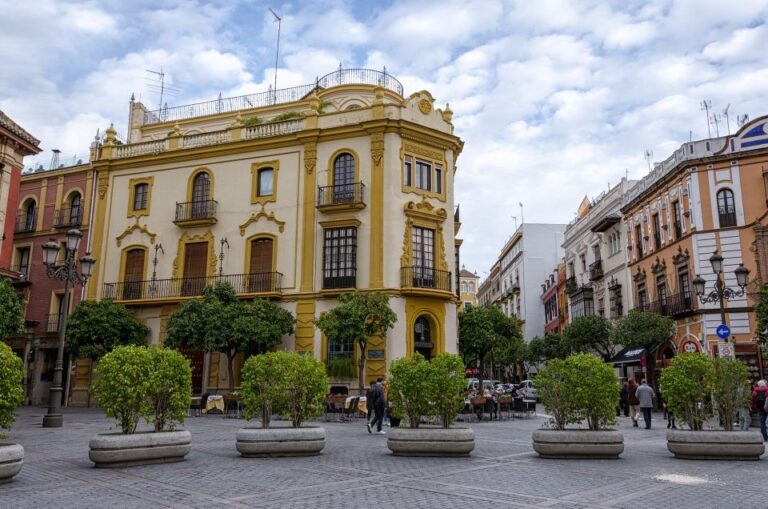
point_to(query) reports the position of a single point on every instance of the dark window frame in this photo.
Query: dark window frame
(726, 207)
(340, 257)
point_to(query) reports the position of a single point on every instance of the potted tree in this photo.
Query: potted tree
(697, 388)
(419, 388)
(11, 380)
(581, 388)
(290, 384)
(138, 382)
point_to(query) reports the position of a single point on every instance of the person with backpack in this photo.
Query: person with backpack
(759, 402)
(376, 403)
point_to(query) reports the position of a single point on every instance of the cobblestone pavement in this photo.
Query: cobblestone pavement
(356, 470)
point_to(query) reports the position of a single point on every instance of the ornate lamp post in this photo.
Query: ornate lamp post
(66, 272)
(721, 293)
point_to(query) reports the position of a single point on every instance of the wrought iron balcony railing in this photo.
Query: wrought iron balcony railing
(67, 217)
(342, 194)
(596, 270)
(676, 304)
(253, 283)
(425, 277)
(196, 211)
(25, 222)
(349, 280)
(53, 322)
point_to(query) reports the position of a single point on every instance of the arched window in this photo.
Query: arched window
(726, 208)
(344, 178)
(75, 209)
(29, 216)
(201, 194)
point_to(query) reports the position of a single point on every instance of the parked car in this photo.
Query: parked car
(528, 389)
(487, 384)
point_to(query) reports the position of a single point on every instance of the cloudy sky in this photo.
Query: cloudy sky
(555, 99)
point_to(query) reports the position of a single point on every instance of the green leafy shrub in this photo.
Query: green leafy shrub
(170, 388)
(11, 386)
(283, 382)
(252, 121)
(288, 115)
(687, 385)
(731, 389)
(408, 387)
(342, 368)
(11, 310)
(123, 384)
(446, 384)
(580, 387)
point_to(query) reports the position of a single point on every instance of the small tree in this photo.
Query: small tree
(123, 384)
(553, 388)
(587, 334)
(259, 388)
(446, 384)
(731, 389)
(170, 388)
(644, 329)
(551, 346)
(483, 329)
(11, 386)
(221, 323)
(358, 317)
(97, 327)
(686, 386)
(408, 387)
(11, 310)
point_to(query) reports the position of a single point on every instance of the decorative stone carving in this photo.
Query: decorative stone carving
(136, 226)
(425, 106)
(262, 214)
(310, 157)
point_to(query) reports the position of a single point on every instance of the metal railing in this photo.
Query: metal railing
(571, 285)
(273, 129)
(67, 217)
(270, 97)
(25, 223)
(425, 277)
(195, 210)
(210, 138)
(22, 268)
(673, 305)
(256, 282)
(53, 322)
(139, 149)
(346, 281)
(595, 270)
(727, 219)
(342, 194)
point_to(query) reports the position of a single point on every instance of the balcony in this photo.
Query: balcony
(264, 283)
(571, 285)
(425, 278)
(676, 305)
(348, 280)
(596, 270)
(196, 213)
(53, 322)
(24, 223)
(68, 217)
(340, 197)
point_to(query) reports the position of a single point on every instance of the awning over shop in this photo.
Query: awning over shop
(630, 355)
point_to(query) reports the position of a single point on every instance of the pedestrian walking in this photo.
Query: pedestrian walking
(759, 398)
(377, 404)
(624, 399)
(645, 396)
(634, 403)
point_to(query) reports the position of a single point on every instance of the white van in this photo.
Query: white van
(528, 390)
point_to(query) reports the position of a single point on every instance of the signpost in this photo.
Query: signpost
(723, 331)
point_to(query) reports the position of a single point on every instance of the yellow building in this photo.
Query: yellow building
(708, 196)
(297, 195)
(468, 287)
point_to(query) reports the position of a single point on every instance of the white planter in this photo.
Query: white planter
(579, 444)
(431, 441)
(11, 461)
(715, 445)
(118, 450)
(275, 442)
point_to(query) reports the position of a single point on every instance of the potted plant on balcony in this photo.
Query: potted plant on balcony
(696, 388)
(290, 384)
(11, 389)
(138, 382)
(420, 388)
(580, 388)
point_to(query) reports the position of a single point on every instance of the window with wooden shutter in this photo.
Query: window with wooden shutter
(195, 268)
(260, 266)
(134, 273)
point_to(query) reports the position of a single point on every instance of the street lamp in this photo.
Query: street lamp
(67, 272)
(721, 293)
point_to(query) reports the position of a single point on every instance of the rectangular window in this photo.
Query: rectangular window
(639, 241)
(408, 172)
(684, 285)
(642, 296)
(340, 257)
(438, 179)
(423, 175)
(22, 261)
(656, 232)
(423, 240)
(265, 184)
(676, 219)
(140, 192)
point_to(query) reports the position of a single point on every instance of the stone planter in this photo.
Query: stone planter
(431, 441)
(715, 445)
(275, 442)
(117, 450)
(11, 460)
(578, 444)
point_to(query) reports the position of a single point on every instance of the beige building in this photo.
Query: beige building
(296, 195)
(468, 287)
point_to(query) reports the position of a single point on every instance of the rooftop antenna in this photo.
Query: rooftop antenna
(521, 213)
(277, 51)
(161, 77)
(742, 119)
(648, 156)
(727, 118)
(514, 218)
(161, 87)
(716, 119)
(55, 159)
(706, 105)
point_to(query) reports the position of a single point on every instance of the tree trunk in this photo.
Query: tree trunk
(361, 370)
(231, 370)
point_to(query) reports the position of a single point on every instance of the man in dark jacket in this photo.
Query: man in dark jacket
(376, 404)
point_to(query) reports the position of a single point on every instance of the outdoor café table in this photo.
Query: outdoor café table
(361, 404)
(215, 401)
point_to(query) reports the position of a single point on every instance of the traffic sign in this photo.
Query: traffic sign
(723, 331)
(725, 350)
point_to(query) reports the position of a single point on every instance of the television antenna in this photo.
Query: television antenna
(158, 85)
(279, 20)
(648, 154)
(742, 119)
(715, 119)
(727, 118)
(706, 105)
